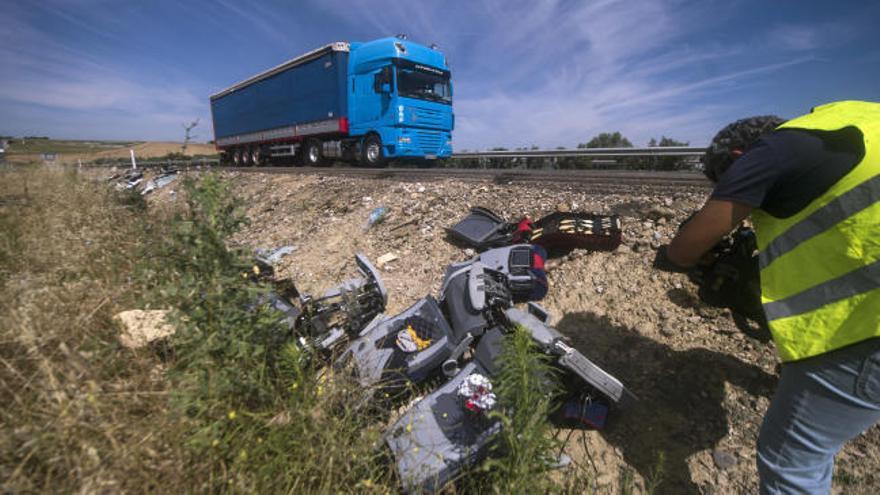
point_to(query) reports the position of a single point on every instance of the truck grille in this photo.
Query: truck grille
(428, 117)
(430, 141)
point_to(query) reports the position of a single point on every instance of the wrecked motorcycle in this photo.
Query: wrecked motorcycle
(452, 343)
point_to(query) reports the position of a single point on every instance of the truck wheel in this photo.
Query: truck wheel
(372, 154)
(312, 156)
(236, 157)
(256, 157)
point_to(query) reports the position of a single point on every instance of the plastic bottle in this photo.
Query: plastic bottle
(376, 216)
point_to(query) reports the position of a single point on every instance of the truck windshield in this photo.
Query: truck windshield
(424, 85)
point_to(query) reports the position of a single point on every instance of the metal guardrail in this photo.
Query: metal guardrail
(680, 151)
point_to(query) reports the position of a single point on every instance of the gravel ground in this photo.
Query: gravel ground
(704, 385)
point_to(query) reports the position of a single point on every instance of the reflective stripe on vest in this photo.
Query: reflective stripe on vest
(856, 282)
(820, 268)
(838, 210)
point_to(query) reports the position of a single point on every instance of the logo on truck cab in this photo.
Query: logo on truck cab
(429, 69)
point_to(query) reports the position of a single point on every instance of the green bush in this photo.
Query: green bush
(260, 415)
(525, 451)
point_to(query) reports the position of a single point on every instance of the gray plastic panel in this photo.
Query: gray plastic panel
(538, 311)
(453, 271)
(462, 316)
(593, 374)
(370, 271)
(476, 286)
(545, 336)
(371, 361)
(437, 437)
(479, 227)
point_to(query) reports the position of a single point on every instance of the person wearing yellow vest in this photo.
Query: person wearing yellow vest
(812, 188)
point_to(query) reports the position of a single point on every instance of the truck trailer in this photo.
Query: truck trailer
(362, 102)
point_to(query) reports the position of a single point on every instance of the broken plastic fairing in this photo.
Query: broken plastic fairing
(442, 434)
(383, 353)
(343, 311)
(552, 342)
(483, 229)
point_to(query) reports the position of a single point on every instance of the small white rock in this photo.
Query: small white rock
(142, 327)
(385, 259)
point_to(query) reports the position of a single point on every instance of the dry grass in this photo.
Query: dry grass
(79, 412)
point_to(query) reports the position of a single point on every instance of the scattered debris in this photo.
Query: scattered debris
(273, 256)
(404, 224)
(319, 216)
(377, 216)
(560, 230)
(159, 182)
(143, 327)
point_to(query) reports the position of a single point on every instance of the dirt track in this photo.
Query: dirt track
(141, 150)
(704, 385)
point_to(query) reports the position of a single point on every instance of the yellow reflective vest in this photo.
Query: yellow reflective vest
(820, 268)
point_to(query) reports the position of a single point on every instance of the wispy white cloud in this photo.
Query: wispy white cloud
(798, 38)
(43, 73)
(252, 17)
(550, 72)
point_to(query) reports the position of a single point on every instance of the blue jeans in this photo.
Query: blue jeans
(820, 404)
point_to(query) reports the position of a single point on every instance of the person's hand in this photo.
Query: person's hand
(662, 262)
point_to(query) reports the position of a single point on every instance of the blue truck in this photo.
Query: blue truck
(361, 102)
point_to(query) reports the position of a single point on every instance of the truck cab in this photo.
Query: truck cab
(400, 100)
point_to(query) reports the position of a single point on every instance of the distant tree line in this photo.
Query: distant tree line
(602, 140)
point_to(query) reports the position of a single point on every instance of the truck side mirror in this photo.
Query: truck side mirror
(386, 88)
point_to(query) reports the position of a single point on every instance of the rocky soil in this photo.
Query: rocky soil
(704, 385)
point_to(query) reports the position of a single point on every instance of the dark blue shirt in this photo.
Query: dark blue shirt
(786, 170)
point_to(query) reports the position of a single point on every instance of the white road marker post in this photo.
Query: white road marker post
(134, 164)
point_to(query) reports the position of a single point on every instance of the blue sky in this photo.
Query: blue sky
(549, 73)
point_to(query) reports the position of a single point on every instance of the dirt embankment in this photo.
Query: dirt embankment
(704, 385)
